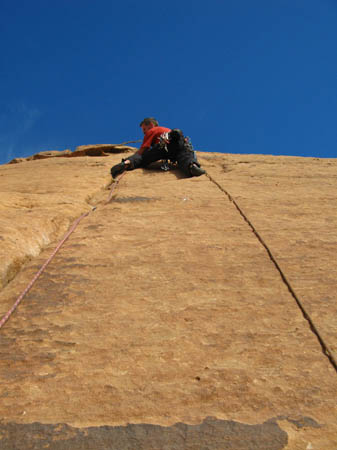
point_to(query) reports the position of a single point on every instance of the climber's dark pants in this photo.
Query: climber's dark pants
(181, 153)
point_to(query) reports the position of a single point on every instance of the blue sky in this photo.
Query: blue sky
(237, 76)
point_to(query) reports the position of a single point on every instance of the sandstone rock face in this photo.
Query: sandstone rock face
(82, 150)
(185, 313)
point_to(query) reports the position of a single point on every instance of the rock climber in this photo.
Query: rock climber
(161, 143)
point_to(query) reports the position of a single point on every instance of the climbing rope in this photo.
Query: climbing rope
(59, 245)
(114, 187)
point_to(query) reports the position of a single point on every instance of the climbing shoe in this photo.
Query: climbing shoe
(196, 171)
(117, 169)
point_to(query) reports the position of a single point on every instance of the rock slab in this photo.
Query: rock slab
(163, 322)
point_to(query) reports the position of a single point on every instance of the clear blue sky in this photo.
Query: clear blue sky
(237, 76)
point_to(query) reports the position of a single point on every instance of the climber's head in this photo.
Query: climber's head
(148, 123)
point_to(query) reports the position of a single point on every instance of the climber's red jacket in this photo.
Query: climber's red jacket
(152, 137)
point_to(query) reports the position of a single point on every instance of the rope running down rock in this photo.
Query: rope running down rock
(59, 245)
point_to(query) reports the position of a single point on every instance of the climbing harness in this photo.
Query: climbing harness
(59, 245)
(165, 165)
(164, 141)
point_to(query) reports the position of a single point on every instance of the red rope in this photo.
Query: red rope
(114, 186)
(63, 240)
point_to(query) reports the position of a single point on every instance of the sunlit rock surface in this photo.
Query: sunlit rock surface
(165, 320)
